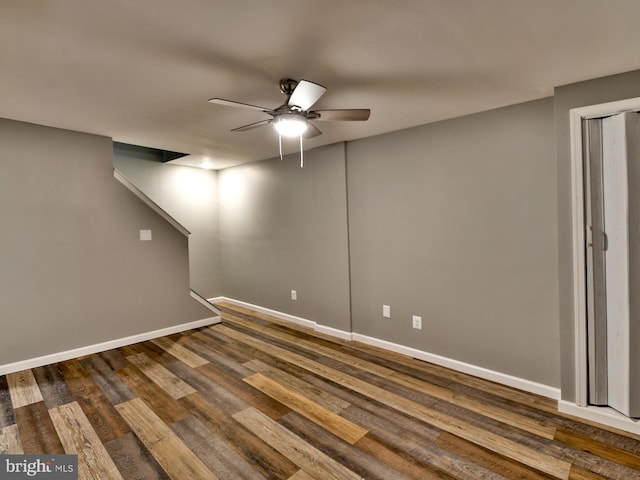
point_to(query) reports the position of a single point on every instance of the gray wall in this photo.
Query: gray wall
(465, 222)
(74, 272)
(592, 92)
(456, 222)
(190, 196)
(284, 228)
(453, 221)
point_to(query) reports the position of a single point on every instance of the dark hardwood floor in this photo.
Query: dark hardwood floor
(255, 398)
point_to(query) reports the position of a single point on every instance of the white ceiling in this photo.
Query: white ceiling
(141, 71)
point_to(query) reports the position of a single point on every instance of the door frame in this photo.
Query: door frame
(578, 244)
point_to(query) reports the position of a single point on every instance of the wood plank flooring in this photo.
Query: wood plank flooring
(256, 398)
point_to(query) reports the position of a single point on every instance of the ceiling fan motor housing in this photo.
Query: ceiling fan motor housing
(287, 86)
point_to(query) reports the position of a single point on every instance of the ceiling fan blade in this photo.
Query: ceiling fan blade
(251, 126)
(231, 103)
(306, 94)
(342, 115)
(312, 131)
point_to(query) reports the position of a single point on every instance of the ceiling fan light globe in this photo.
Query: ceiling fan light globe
(291, 126)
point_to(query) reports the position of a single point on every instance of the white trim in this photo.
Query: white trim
(101, 347)
(274, 313)
(204, 302)
(153, 205)
(579, 273)
(334, 332)
(481, 372)
(509, 380)
(577, 198)
(608, 108)
(604, 415)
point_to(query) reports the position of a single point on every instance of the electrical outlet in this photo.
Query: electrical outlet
(386, 311)
(294, 295)
(417, 322)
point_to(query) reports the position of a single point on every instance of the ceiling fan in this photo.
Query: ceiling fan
(292, 117)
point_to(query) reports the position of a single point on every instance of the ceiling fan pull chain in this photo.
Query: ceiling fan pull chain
(301, 154)
(280, 144)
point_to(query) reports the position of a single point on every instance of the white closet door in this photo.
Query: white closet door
(621, 175)
(632, 124)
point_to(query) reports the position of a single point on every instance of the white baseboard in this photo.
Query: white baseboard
(498, 377)
(334, 332)
(481, 372)
(101, 347)
(274, 313)
(604, 415)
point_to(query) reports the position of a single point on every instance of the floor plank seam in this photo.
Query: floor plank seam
(257, 398)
